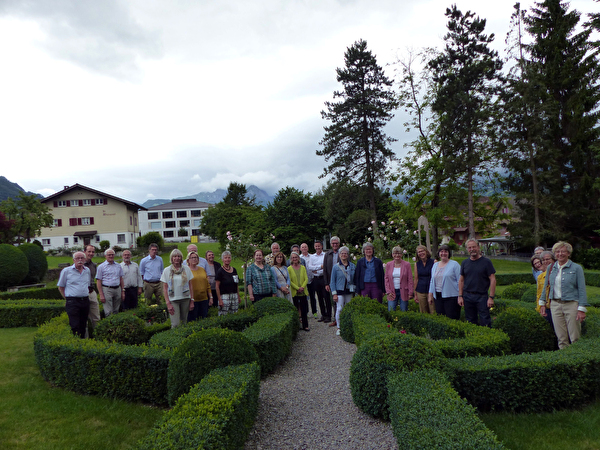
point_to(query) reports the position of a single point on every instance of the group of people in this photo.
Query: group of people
(561, 293)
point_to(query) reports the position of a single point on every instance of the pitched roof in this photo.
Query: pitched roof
(99, 193)
(181, 203)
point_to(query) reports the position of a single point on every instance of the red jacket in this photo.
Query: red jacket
(406, 281)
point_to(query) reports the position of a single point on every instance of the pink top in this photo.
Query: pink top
(406, 280)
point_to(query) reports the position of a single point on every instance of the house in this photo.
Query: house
(176, 221)
(83, 215)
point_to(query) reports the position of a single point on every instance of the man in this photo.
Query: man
(315, 266)
(269, 259)
(73, 284)
(305, 257)
(94, 315)
(202, 261)
(331, 258)
(109, 279)
(132, 280)
(151, 269)
(477, 275)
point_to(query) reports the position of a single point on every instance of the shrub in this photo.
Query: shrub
(104, 245)
(515, 291)
(273, 305)
(38, 265)
(29, 313)
(122, 328)
(376, 358)
(370, 326)
(530, 294)
(217, 413)
(47, 293)
(152, 237)
(426, 412)
(359, 305)
(13, 266)
(202, 352)
(588, 258)
(505, 279)
(527, 330)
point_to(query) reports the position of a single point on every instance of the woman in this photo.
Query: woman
(227, 286)
(443, 286)
(398, 281)
(211, 272)
(298, 283)
(282, 277)
(369, 274)
(259, 279)
(342, 282)
(568, 299)
(536, 263)
(177, 288)
(547, 259)
(200, 288)
(423, 266)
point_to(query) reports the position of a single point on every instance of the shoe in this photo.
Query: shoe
(321, 320)
(326, 321)
(306, 329)
(333, 324)
(337, 333)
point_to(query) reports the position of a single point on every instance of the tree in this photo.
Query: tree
(29, 215)
(355, 141)
(467, 77)
(6, 229)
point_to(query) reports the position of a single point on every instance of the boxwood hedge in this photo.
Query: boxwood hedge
(29, 313)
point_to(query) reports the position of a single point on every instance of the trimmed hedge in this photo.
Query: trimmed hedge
(29, 313)
(13, 266)
(370, 326)
(122, 328)
(87, 366)
(38, 265)
(217, 413)
(359, 305)
(516, 291)
(530, 294)
(47, 293)
(504, 279)
(527, 330)
(376, 358)
(273, 305)
(271, 337)
(426, 412)
(202, 352)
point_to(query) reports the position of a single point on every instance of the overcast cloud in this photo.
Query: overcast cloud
(160, 99)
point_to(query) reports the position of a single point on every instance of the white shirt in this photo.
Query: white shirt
(131, 275)
(315, 264)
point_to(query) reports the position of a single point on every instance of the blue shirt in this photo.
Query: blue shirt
(152, 269)
(76, 284)
(370, 271)
(110, 274)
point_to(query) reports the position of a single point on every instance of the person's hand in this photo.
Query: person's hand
(139, 291)
(103, 300)
(461, 301)
(335, 298)
(580, 316)
(251, 298)
(171, 309)
(192, 305)
(221, 302)
(543, 311)
(327, 288)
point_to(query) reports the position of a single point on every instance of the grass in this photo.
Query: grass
(33, 415)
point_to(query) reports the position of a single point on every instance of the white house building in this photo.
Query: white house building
(176, 221)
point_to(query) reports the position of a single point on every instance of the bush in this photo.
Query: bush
(122, 328)
(530, 294)
(515, 291)
(202, 352)
(104, 245)
(376, 358)
(273, 305)
(152, 237)
(13, 266)
(426, 412)
(38, 265)
(217, 413)
(588, 258)
(527, 330)
(505, 279)
(359, 305)
(370, 326)
(47, 293)
(29, 313)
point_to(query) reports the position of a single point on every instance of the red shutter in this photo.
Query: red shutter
(106, 201)
(79, 221)
(72, 222)
(55, 204)
(68, 202)
(91, 221)
(80, 202)
(59, 222)
(93, 202)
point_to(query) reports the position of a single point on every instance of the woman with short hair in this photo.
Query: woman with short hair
(398, 281)
(227, 286)
(443, 286)
(200, 288)
(423, 266)
(298, 283)
(177, 289)
(259, 278)
(547, 259)
(369, 274)
(536, 264)
(342, 282)
(282, 277)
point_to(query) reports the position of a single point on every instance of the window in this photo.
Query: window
(184, 223)
(197, 222)
(75, 240)
(57, 223)
(62, 203)
(168, 215)
(45, 241)
(130, 220)
(97, 238)
(195, 232)
(120, 238)
(152, 215)
(181, 214)
(87, 221)
(87, 202)
(168, 234)
(170, 224)
(135, 221)
(100, 201)
(155, 225)
(195, 213)
(66, 241)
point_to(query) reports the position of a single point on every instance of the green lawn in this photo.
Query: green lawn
(35, 416)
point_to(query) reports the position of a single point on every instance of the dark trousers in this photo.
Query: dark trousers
(215, 299)
(476, 309)
(447, 306)
(200, 311)
(259, 297)
(78, 309)
(131, 298)
(371, 290)
(313, 299)
(324, 298)
(301, 302)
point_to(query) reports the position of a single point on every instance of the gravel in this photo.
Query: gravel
(306, 403)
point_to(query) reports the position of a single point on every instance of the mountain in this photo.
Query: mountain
(11, 190)
(262, 198)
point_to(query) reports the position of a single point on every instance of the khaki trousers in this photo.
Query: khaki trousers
(564, 318)
(424, 305)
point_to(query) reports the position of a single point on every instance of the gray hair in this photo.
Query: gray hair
(109, 250)
(77, 253)
(397, 249)
(153, 245)
(538, 248)
(225, 253)
(368, 244)
(560, 244)
(334, 238)
(548, 253)
(472, 240)
(344, 249)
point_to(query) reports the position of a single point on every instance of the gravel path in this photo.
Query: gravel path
(306, 403)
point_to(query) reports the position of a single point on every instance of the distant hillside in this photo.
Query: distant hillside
(10, 190)
(262, 198)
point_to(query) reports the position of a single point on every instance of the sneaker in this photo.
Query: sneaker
(337, 333)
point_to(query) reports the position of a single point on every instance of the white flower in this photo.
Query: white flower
(415, 232)
(369, 229)
(392, 222)
(404, 251)
(383, 224)
(407, 231)
(354, 257)
(414, 259)
(369, 239)
(356, 246)
(397, 230)
(385, 238)
(373, 222)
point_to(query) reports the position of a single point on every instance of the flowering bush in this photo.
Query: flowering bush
(391, 234)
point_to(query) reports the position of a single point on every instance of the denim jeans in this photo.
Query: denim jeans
(393, 304)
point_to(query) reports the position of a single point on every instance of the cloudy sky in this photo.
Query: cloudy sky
(159, 99)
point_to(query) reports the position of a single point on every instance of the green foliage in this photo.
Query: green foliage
(390, 234)
(358, 305)
(426, 413)
(528, 331)
(588, 258)
(152, 237)
(47, 293)
(38, 265)
(504, 279)
(202, 352)
(529, 294)
(29, 313)
(104, 245)
(217, 413)
(273, 305)
(376, 358)
(515, 291)
(13, 266)
(122, 328)
(28, 214)
(370, 326)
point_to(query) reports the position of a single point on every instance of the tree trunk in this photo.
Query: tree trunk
(471, 208)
